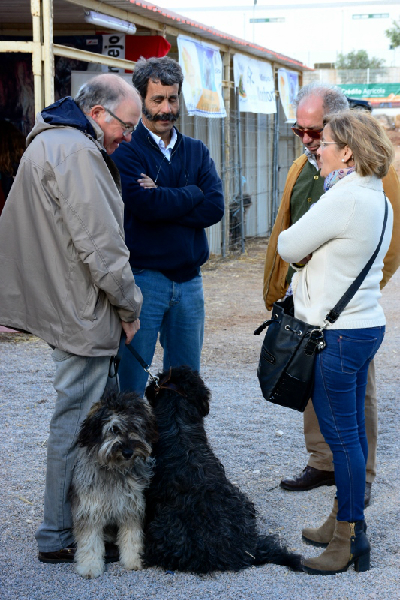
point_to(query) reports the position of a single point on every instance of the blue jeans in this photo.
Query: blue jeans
(79, 382)
(176, 311)
(339, 395)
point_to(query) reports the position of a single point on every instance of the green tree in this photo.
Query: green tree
(394, 35)
(358, 60)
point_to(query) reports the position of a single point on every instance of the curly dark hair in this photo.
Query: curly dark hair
(164, 69)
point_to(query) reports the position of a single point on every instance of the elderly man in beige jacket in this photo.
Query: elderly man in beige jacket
(65, 271)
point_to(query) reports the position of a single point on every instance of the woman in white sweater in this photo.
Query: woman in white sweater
(330, 245)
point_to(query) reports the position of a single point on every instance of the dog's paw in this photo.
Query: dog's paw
(90, 570)
(132, 563)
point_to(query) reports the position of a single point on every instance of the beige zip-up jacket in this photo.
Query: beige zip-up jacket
(64, 267)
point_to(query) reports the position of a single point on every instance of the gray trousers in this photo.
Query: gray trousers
(320, 454)
(79, 382)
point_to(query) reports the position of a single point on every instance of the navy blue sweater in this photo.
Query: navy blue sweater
(164, 226)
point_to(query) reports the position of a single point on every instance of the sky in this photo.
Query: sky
(313, 31)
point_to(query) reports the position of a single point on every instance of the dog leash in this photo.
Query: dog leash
(164, 384)
(142, 363)
(160, 385)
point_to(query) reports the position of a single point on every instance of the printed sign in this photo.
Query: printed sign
(288, 85)
(255, 80)
(114, 46)
(380, 95)
(202, 85)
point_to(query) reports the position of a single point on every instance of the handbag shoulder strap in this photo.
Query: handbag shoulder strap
(334, 314)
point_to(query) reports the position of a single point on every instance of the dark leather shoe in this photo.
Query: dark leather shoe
(367, 497)
(309, 479)
(67, 555)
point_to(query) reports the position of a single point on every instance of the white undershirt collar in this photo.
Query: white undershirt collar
(311, 158)
(166, 150)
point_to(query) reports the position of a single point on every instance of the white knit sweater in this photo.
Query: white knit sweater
(341, 231)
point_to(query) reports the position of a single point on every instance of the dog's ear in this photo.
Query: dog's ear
(203, 401)
(144, 412)
(190, 382)
(91, 428)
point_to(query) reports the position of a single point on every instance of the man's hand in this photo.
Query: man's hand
(146, 181)
(130, 329)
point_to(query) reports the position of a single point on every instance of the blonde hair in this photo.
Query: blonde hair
(364, 135)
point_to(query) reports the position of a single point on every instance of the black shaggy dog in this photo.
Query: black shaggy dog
(196, 520)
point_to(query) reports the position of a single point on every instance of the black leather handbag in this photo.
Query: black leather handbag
(286, 367)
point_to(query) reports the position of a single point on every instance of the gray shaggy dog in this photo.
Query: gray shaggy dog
(196, 519)
(112, 469)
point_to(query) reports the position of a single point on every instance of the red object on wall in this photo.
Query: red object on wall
(146, 46)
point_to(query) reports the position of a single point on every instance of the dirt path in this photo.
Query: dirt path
(234, 306)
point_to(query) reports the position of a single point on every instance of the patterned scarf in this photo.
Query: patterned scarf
(335, 176)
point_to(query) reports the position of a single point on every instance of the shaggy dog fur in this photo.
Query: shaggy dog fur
(111, 472)
(196, 520)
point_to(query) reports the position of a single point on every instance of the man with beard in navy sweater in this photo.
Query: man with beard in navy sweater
(171, 192)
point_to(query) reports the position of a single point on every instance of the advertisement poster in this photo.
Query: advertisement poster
(288, 86)
(202, 85)
(255, 80)
(380, 95)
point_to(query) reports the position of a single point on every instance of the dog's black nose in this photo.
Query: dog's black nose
(127, 452)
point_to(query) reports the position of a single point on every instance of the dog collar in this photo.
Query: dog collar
(165, 384)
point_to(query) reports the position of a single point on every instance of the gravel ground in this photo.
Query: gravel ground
(257, 443)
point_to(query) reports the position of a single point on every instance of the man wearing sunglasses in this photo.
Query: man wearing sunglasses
(304, 187)
(65, 273)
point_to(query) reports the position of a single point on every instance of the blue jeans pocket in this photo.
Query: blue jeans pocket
(355, 352)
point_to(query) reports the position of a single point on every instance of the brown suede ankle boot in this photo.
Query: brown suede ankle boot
(321, 536)
(349, 545)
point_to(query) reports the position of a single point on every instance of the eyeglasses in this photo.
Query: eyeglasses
(323, 144)
(128, 129)
(314, 134)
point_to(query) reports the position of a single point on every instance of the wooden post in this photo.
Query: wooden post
(37, 55)
(48, 55)
(226, 175)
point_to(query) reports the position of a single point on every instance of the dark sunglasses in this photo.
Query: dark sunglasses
(314, 134)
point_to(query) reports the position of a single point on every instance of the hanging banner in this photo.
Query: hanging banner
(255, 80)
(202, 85)
(113, 45)
(380, 95)
(288, 86)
